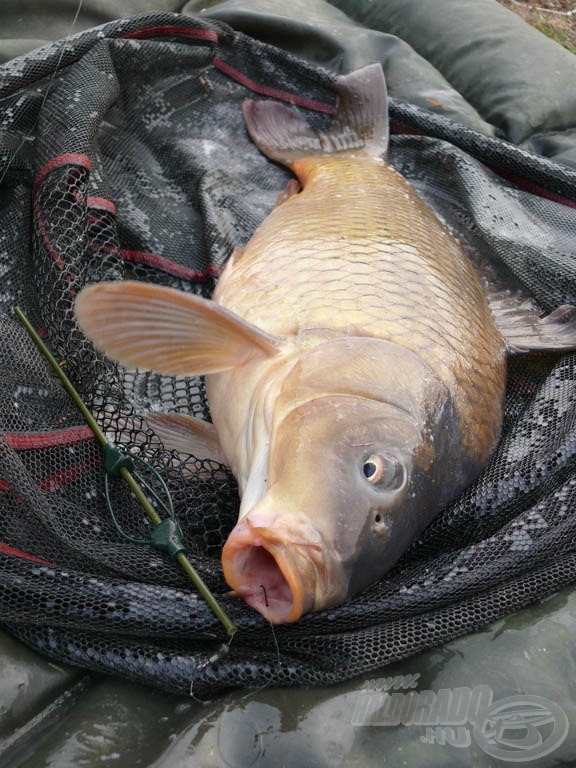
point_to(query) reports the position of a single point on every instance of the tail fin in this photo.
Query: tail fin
(361, 122)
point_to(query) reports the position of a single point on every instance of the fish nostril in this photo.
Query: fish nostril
(379, 525)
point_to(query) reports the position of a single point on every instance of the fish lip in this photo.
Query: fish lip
(280, 596)
(279, 578)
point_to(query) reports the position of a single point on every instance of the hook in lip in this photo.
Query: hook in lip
(263, 588)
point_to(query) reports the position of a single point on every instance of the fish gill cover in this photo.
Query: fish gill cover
(123, 154)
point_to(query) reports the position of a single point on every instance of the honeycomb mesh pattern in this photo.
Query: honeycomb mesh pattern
(123, 155)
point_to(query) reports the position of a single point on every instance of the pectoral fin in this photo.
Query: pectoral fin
(167, 331)
(518, 320)
(186, 435)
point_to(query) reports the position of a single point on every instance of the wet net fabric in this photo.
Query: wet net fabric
(123, 154)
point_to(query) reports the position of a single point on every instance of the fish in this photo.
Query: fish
(355, 365)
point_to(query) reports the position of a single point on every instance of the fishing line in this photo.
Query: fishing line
(48, 88)
(219, 654)
(269, 682)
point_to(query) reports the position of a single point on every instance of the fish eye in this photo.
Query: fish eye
(383, 471)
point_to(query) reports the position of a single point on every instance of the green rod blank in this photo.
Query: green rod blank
(125, 473)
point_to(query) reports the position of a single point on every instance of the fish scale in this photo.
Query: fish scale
(374, 261)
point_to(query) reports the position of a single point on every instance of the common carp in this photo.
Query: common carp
(355, 369)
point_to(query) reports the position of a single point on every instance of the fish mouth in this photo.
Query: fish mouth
(280, 571)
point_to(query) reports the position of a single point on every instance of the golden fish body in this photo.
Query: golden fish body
(358, 254)
(380, 314)
(354, 369)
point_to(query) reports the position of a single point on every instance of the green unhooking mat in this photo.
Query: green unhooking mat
(123, 154)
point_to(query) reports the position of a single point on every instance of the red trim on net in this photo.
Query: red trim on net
(158, 262)
(69, 158)
(274, 93)
(533, 188)
(101, 202)
(61, 478)
(404, 129)
(227, 69)
(53, 252)
(198, 34)
(48, 439)
(68, 475)
(97, 220)
(166, 265)
(6, 549)
(518, 181)
(59, 261)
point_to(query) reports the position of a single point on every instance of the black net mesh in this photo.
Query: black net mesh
(123, 154)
